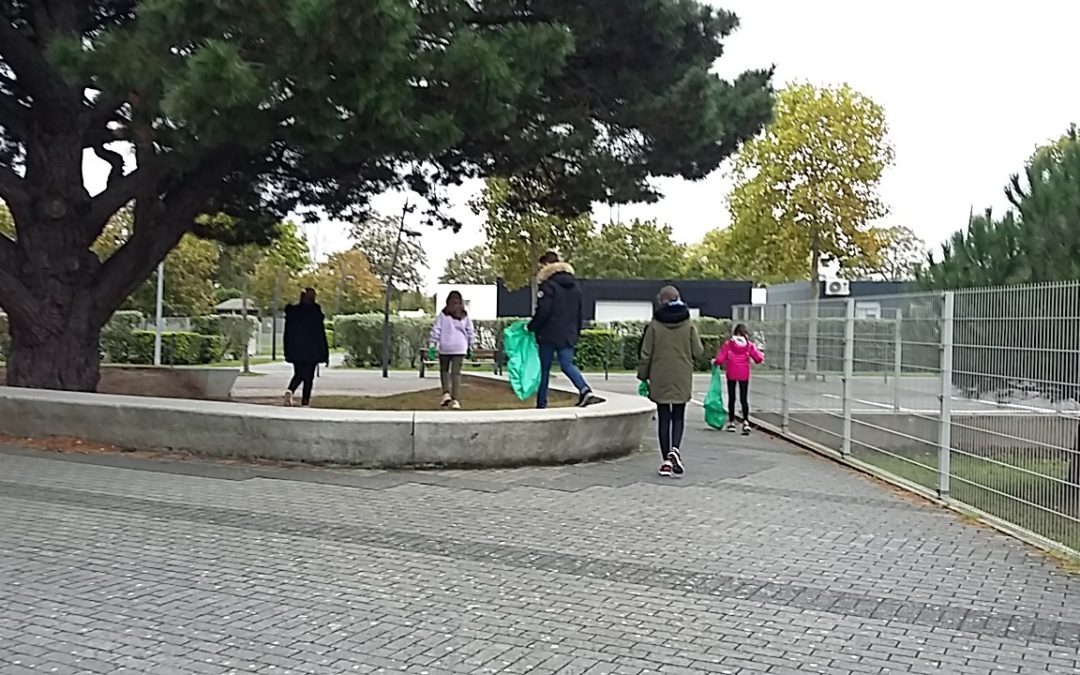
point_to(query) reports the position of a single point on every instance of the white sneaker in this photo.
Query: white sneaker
(454, 405)
(445, 400)
(288, 399)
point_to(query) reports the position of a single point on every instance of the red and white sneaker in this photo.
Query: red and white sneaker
(665, 470)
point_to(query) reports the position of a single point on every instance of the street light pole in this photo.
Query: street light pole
(274, 316)
(159, 319)
(389, 285)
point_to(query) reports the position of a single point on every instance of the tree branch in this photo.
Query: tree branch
(168, 220)
(15, 117)
(31, 70)
(102, 111)
(118, 193)
(115, 161)
(13, 188)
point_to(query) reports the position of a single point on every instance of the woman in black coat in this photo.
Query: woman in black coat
(305, 344)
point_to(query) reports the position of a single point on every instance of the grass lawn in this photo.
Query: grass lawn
(1013, 487)
(476, 394)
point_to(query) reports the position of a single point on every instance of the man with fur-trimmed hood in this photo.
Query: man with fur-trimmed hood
(557, 325)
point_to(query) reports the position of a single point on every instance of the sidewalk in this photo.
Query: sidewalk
(764, 559)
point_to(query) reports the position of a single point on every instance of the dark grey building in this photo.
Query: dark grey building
(632, 299)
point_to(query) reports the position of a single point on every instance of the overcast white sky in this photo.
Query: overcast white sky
(969, 88)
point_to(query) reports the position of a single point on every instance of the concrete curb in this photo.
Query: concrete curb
(370, 439)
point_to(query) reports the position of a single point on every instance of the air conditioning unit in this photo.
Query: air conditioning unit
(837, 287)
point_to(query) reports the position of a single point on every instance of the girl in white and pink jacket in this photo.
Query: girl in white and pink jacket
(453, 337)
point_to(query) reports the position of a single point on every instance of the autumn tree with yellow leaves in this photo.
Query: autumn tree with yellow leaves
(806, 189)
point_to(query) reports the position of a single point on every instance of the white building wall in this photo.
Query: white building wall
(481, 301)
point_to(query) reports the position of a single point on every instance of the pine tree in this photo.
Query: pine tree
(219, 108)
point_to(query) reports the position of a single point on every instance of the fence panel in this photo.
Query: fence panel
(972, 394)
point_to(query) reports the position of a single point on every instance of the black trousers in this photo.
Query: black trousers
(671, 418)
(303, 373)
(744, 398)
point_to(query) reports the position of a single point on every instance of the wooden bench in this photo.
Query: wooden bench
(480, 357)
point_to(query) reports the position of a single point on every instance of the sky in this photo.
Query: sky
(969, 90)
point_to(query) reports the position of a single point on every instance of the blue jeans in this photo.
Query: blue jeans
(565, 355)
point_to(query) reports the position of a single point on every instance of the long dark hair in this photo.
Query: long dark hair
(741, 331)
(455, 305)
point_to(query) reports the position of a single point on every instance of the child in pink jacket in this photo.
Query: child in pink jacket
(735, 356)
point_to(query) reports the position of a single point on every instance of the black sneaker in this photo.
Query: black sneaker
(731, 427)
(675, 459)
(746, 429)
(587, 398)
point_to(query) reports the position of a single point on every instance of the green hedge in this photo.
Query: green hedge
(361, 337)
(5, 338)
(596, 347)
(615, 343)
(177, 348)
(232, 337)
(712, 345)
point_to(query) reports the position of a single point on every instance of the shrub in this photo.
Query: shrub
(489, 334)
(116, 341)
(361, 336)
(595, 348)
(229, 331)
(712, 344)
(177, 348)
(5, 338)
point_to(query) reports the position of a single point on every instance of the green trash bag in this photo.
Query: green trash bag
(523, 358)
(715, 415)
(643, 389)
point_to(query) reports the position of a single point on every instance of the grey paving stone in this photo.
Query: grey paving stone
(762, 560)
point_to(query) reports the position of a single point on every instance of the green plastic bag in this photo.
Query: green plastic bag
(523, 359)
(715, 415)
(643, 389)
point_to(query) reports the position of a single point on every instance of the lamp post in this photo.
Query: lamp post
(534, 269)
(402, 231)
(159, 320)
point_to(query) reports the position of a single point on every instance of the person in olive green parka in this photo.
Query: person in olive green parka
(669, 347)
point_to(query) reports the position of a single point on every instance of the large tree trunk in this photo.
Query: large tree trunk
(56, 347)
(68, 360)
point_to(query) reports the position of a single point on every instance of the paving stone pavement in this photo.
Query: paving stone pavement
(763, 559)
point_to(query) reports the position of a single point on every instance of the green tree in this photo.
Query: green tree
(189, 271)
(713, 258)
(635, 250)
(519, 231)
(898, 256)
(990, 252)
(267, 269)
(345, 283)
(377, 237)
(1038, 240)
(806, 190)
(471, 266)
(224, 107)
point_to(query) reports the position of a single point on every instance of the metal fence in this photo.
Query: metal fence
(973, 395)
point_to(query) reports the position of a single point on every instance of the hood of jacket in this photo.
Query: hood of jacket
(559, 273)
(739, 344)
(300, 309)
(673, 315)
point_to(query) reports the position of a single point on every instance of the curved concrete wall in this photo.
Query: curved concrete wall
(357, 438)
